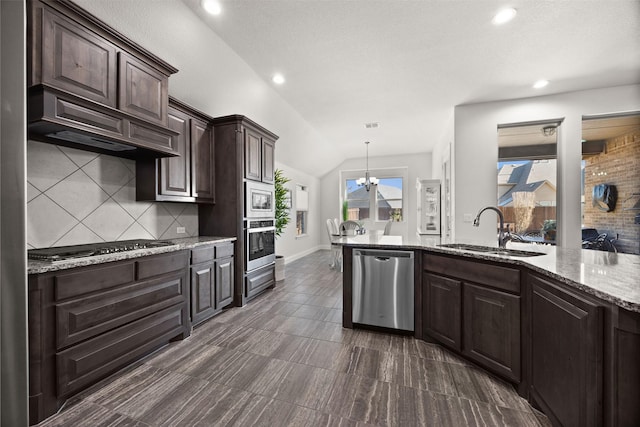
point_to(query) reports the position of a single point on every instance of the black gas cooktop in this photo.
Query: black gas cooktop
(62, 253)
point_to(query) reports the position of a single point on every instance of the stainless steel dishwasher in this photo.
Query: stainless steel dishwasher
(382, 288)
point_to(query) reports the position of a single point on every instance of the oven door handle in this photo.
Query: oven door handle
(258, 230)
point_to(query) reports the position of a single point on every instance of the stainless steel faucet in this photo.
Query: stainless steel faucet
(503, 237)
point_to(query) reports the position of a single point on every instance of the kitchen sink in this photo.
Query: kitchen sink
(490, 250)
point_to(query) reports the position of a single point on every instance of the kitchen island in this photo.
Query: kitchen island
(562, 327)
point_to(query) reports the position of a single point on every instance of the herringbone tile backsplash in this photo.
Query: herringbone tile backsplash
(77, 197)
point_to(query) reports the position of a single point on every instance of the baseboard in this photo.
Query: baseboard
(291, 258)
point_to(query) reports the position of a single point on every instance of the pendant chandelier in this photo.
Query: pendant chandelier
(367, 180)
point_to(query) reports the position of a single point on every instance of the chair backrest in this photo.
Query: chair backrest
(349, 225)
(387, 228)
(332, 230)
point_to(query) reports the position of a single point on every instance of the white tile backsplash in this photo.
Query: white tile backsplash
(78, 194)
(47, 222)
(77, 197)
(156, 219)
(109, 221)
(110, 172)
(47, 165)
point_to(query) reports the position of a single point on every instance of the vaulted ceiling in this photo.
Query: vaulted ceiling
(406, 64)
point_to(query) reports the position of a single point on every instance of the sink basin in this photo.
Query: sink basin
(490, 250)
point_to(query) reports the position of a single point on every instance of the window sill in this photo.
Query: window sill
(301, 236)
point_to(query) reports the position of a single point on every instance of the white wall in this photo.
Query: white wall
(442, 152)
(419, 166)
(476, 151)
(288, 244)
(211, 76)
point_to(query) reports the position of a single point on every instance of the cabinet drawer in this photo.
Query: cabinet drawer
(162, 264)
(224, 250)
(504, 278)
(85, 318)
(260, 280)
(78, 283)
(92, 360)
(203, 254)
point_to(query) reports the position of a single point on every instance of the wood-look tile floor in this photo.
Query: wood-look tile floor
(285, 360)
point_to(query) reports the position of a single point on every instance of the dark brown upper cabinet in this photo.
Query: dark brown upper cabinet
(144, 91)
(188, 177)
(77, 60)
(93, 89)
(259, 157)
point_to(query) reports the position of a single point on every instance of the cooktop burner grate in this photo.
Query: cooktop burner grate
(62, 253)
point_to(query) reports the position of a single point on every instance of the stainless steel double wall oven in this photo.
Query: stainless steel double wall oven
(260, 231)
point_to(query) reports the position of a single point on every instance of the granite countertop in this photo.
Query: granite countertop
(612, 277)
(36, 267)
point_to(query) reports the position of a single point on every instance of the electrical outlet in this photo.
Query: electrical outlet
(180, 230)
(468, 217)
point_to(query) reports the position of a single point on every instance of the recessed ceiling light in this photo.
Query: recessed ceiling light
(278, 78)
(540, 84)
(504, 16)
(212, 6)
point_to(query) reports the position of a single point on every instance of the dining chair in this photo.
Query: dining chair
(336, 250)
(349, 228)
(387, 228)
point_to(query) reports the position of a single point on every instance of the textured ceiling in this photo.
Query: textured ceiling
(406, 64)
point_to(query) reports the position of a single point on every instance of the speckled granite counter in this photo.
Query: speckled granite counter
(609, 276)
(35, 267)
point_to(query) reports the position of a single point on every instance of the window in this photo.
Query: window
(383, 202)
(302, 210)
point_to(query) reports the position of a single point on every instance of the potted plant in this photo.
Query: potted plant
(282, 215)
(549, 230)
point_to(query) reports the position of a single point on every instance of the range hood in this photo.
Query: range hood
(62, 118)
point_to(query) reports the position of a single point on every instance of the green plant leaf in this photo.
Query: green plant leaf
(282, 211)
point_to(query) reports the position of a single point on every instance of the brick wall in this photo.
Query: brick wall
(621, 163)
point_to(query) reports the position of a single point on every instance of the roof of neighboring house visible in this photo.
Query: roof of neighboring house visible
(527, 177)
(388, 196)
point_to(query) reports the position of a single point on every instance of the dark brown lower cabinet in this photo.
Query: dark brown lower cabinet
(442, 311)
(203, 303)
(224, 282)
(212, 280)
(566, 354)
(491, 330)
(474, 309)
(626, 369)
(573, 355)
(86, 323)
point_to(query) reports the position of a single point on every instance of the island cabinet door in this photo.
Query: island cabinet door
(491, 330)
(566, 354)
(441, 309)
